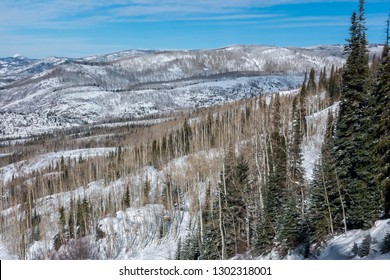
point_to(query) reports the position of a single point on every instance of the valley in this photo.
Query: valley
(207, 154)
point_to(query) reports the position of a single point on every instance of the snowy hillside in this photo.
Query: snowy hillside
(42, 95)
(151, 230)
(204, 154)
(340, 247)
(45, 109)
(115, 56)
(17, 68)
(43, 162)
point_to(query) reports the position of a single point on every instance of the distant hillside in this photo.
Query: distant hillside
(42, 95)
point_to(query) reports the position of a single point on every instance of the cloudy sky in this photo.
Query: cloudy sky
(41, 28)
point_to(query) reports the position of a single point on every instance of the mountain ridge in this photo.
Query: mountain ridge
(63, 92)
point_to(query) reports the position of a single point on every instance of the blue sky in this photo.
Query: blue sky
(41, 28)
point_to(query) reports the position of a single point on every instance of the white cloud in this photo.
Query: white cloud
(53, 13)
(20, 19)
(44, 46)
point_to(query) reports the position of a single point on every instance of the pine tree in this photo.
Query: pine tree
(189, 248)
(234, 181)
(212, 235)
(385, 246)
(83, 217)
(61, 236)
(380, 128)
(352, 145)
(212, 239)
(311, 84)
(35, 230)
(297, 180)
(275, 191)
(364, 248)
(71, 223)
(355, 250)
(240, 206)
(290, 226)
(322, 82)
(146, 191)
(291, 229)
(326, 213)
(126, 198)
(334, 84)
(186, 137)
(62, 221)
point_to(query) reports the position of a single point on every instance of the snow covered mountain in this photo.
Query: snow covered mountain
(145, 207)
(19, 67)
(40, 95)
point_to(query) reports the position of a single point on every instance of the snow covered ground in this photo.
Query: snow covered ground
(48, 106)
(66, 92)
(135, 232)
(311, 145)
(4, 254)
(340, 247)
(42, 162)
(132, 233)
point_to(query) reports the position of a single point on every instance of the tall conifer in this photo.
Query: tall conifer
(351, 142)
(381, 131)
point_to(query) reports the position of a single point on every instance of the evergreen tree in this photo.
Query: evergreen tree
(381, 131)
(275, 191)
(211, 239)
(225, 223)
(189, 249)
(334, 84)
(352, 145)
(322, 82)
(71, 223)
(385, 246)
(364, 248)
(32, 217)
(326, 214)
(126, 198)
(146, 191)
(234, 182)
(186, 137)
(35, 230)
(295, 151)
(61, 236)
(290, 226)
(311, 84)
(83, 217)
(355, 250)
(62, 221)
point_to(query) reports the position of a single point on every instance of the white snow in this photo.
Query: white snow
(134, 233)
(41, 162)
(339, 248)
(139, 83)
(4, 254)
(311, 145)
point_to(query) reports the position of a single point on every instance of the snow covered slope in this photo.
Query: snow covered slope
(340, 247)
(17, 67)
(42, 95)
(44, 161)
(4, 254)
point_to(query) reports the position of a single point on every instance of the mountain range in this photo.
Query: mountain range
(40, 95)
